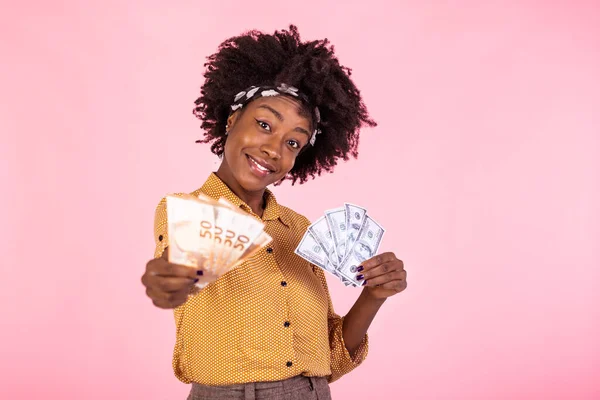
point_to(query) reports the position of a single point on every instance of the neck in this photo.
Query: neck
(254, 200)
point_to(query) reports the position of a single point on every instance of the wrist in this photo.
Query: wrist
(368, 296)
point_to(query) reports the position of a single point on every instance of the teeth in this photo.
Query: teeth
(259, 166)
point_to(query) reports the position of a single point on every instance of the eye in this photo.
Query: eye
(294, 143)
(264, 125)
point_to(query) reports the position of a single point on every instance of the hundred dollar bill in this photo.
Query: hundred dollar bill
(366, 246)
(311, 250)
(190, 230)
(355, 217)
(321, 233)
(346, 282)
(336, 219)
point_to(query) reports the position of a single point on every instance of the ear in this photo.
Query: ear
(231, 120)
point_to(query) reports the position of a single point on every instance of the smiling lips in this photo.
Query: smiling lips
(260, 167)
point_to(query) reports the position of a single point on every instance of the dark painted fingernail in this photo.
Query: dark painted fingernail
(360, 268)
(200, 272)
(364, 283)
(360, 277)
(196, 280)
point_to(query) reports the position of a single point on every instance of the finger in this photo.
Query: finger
(378, 260)
(381, 269)
(171, 284)
(396, 286)
(167, 300)
(160, 267)
(165, 304)
(165, 254)
(385, 278)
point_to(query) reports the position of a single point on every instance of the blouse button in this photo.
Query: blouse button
(286, 324)
(283, 283)
(269, 250)
(160, 238)
(288, 364)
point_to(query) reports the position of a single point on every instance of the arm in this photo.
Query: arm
(384, 276)
(359, 318)
(161, 239)
(342, 361)
(348, 339)
(168, 285)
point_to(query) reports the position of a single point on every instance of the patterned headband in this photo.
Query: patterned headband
(246, 96)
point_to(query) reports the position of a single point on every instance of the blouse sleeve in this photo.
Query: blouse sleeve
(341, 360)
(161, 240)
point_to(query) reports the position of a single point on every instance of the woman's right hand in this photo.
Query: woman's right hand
(168, 285)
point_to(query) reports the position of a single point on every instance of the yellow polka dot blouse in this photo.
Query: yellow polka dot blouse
(269, 319)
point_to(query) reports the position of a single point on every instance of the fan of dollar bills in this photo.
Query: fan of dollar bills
(213, 235)
(340, 241)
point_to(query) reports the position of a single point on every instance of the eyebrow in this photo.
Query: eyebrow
(280, 117)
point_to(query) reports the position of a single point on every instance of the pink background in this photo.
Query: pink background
(484, 170)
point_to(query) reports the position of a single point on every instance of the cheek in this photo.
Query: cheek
(234, 143)
(290, 161)
(241, 140)
(227, 148)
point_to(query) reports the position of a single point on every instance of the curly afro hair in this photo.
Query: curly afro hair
(259, 59)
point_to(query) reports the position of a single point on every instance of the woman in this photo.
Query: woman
(274, 108)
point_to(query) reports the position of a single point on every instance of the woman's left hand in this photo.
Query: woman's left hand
(384, 276)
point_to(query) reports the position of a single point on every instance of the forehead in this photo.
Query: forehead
(284, 104)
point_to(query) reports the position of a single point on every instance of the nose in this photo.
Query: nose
(271, 149)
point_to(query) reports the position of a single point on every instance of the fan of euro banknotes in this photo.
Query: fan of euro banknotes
(340, 241)
(213, 235)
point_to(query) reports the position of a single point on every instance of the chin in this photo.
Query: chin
(253, 183)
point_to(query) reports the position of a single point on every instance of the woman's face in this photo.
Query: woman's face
(264, 140)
